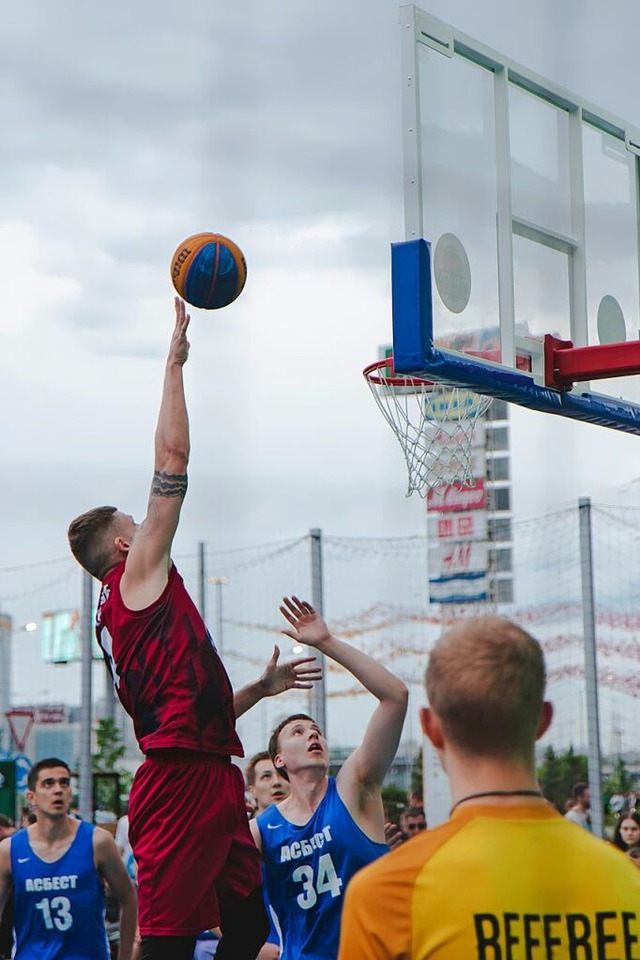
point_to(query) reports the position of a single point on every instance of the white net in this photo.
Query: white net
(434, 424)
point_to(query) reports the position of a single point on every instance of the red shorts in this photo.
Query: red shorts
(190, 836)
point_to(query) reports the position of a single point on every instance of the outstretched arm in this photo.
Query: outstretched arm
(368, 764)
(298, 674)
(147, 565)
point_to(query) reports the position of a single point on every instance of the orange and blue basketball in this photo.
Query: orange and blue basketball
(208, 271)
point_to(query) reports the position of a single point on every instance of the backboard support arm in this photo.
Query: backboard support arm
(565, 364)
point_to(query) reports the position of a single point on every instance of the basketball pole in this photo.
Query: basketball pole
(318, 695)
(6, 630)
(85, 788)
(202, 579)
(591, 668)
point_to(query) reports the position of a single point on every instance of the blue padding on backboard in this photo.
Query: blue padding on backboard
(415, 353)
(411, 303)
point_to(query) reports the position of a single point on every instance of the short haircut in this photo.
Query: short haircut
(89, 543)
(634, 853)
(273, 739)
(413, 812)
(250, 769)
(485, 681)
(48, 764)
(579, 789)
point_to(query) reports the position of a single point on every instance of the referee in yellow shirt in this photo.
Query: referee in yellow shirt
(506, 878)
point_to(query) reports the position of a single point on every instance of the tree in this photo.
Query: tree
(620, 780)
(416, 774)
(559, 772)
(110, 781)
(394, 800)
(110, 746)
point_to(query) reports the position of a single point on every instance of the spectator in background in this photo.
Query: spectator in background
(617, 804)
(266, 786)
(579, 812)
(627, 833)
(27, 817)
(264, 783)
(123, 845)
(6, 827)
(412, 821)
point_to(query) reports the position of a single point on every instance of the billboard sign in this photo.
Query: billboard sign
(457, 526)
(61, 637)
(450, 497)
(464, 556)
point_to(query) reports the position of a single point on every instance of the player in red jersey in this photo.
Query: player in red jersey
(197, 864)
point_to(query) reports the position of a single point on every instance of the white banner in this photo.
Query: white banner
(457, 526)
(464, 588)
(466, 556)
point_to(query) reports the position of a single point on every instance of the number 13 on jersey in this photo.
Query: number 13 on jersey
(327, 880)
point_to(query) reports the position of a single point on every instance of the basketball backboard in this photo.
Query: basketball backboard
(521, 221)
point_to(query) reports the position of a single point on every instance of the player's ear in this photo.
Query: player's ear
(546, 716)
(121, 543)
(431, 727)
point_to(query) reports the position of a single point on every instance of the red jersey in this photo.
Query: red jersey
(167, 671)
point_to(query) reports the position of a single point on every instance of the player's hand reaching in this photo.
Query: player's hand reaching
(308, 627)
(179, 347)
(295, 675)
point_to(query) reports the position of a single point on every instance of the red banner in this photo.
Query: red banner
(448, 497)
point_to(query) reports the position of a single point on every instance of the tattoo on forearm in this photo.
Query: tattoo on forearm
(168, 484)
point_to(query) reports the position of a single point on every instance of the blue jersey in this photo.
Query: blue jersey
(274, 934)
(308, 869)
(58, 907)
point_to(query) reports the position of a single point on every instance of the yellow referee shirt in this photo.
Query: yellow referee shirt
(496, 883)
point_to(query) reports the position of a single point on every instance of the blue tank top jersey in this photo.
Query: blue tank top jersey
(58, 907)
(274, 934)
(308, 869)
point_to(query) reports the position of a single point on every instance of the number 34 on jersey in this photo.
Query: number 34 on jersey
(326, 880)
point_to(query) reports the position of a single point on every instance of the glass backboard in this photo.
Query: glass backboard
(528, 198)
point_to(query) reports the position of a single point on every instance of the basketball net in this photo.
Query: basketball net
(433, 422)
(20, 723)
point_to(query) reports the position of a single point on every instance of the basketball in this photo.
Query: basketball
(208, 270)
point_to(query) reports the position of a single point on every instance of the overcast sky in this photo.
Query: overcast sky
(125, 128)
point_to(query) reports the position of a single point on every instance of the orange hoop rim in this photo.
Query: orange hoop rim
(371, 374)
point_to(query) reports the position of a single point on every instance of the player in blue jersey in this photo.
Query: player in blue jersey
(326, 829)
(57, 868)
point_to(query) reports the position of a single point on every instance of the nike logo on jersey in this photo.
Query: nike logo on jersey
(273, 826)
(22, 859)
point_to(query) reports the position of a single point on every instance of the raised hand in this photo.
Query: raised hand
(393, 836)
(294, 675)
(308, 626)
(179, 348)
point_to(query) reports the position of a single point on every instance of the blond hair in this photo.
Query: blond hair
(485, 680)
